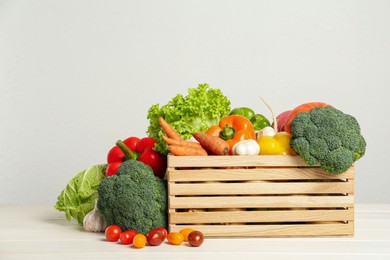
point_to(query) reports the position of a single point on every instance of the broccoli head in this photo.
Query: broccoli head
(134, 198)
(327, 136)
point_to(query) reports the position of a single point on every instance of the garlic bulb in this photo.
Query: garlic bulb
(94, 221)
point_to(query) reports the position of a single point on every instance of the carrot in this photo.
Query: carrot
(171, 141)
(213, 144)
(184, 150)
(168, 129)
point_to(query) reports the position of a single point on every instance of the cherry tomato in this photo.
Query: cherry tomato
(175, 238)
(163, 230)
(127, 237)
(139, 241)
(185, 232)
(113, 233)
(155, 237)
(195, 238)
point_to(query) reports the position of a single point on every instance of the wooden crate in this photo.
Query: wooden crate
(258, 196)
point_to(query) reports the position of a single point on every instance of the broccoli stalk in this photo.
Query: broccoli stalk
(134, 198)
(327, 136)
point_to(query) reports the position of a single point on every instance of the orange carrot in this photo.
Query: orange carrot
(168, 129)
(213, 144)
(171, 141)
(183, 150)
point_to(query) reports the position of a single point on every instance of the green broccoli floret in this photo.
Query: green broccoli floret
(327, 136)
(134, 198)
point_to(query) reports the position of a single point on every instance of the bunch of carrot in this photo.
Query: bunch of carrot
(208, 144)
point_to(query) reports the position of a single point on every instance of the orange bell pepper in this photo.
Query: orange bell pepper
(233, 129)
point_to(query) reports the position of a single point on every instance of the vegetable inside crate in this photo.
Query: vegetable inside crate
(258, 196)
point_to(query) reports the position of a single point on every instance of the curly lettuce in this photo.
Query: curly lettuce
(201, 108)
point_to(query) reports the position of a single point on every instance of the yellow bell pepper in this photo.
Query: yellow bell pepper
(279, 144)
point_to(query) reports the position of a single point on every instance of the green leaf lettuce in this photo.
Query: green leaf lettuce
(201, 108)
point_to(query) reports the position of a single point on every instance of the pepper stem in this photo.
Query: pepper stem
(129, 154)
(227, 132)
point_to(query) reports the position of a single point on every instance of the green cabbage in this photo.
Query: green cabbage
(78, 197)
(201, 108)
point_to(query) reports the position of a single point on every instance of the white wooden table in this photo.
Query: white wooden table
(40, 232)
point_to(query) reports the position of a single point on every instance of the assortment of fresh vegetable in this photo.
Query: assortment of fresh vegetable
(196, 112)
(126, 198)
(232, 129)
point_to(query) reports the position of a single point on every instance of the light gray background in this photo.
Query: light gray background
(75, 76)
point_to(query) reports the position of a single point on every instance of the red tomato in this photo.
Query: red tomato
(163, 230)
(195, 238)
(113, 233)
(155, 237)
(127, 237)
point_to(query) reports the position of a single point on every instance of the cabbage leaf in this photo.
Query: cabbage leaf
(77, 199)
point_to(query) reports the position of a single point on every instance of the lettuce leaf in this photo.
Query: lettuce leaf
(201, 108)
(78, 197)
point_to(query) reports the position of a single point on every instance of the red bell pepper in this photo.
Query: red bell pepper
(134, 148)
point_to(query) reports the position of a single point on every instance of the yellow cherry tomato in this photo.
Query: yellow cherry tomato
(269, 146)
(175, 238)
(185, 232)
(139, 241)
(283, 139)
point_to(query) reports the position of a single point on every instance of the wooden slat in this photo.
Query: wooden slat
(260, 188)
(271, 230)
(260, 202)
(261, 216)
(245, 174)
(232, 161)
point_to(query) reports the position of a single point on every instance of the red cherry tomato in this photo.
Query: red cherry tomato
(155, 237)
(195, 238)
(127, 237)
(163, 230)
(113, 233)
